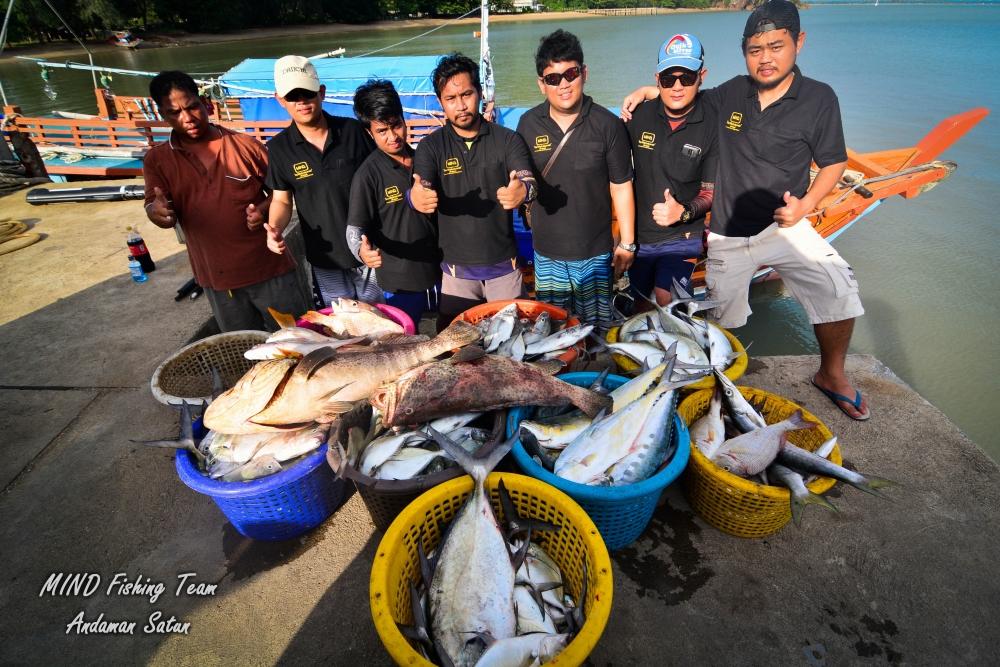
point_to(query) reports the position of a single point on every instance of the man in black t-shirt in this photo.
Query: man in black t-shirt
(474, 173)
(773, 124)
(575, 252)
(382, 230)
(313, 161)
(675, 151)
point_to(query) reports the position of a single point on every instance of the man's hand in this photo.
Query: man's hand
(669, 212)
(423, 198)
(254, 217)
(621, 260)
(160, 211)
(512, 195)
(793, 211)
(275, 239)
(635, 98)
(370, 255)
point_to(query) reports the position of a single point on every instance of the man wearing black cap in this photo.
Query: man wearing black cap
(773, 123)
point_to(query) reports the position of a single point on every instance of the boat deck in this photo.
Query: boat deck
(909, 581)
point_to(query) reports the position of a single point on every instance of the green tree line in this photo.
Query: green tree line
(34, 21)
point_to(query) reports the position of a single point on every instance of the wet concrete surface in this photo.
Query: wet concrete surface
(913, 580)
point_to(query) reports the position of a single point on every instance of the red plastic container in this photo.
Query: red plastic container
(531, 310)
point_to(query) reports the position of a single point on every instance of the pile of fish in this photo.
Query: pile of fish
(734, 436)
(624, 447)
(241, 458)
(507, 334)
(490, 596)
(646, 337)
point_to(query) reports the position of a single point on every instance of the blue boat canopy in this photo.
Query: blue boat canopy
(341, 76)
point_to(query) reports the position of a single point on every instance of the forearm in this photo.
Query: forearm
(702, 202)
(279, 212)
(824, 182)
(624, 203)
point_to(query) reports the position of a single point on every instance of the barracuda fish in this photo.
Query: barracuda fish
(799, 494)
(752, 452)
(295, 348)
(486, 383)
(744, 416)
(804, 461)
(501, 327)
(473, 586)
(325, 384)
(709, 432)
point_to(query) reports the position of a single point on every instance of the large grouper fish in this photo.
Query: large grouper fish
(472, 590)
(324, 384)
(485, 383)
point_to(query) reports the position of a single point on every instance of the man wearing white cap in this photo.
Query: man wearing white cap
(313, 161)
(675, 152)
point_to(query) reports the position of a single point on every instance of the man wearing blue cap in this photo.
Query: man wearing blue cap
(674, 150)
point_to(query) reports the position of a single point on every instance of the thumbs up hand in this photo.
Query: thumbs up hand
(423, 197)
(275, 239)
(669, 212)
(370, 255)
(791, 212)
(512, 195)
(254, 217)
(160, 211)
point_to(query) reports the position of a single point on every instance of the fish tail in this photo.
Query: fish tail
(284, 320)
(798, 504)
(588, 401)
(798, 420)
(478, 465)
(872, 485)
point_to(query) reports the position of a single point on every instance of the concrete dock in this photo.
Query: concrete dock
(911, 581)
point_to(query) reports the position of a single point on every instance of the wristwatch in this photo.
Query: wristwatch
(686, 215)
(629, 247)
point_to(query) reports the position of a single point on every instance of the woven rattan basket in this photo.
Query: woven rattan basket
(187, 373)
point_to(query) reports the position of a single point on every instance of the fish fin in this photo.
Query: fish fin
(517, 558)
(397, 338)
(283, 320)
(217, 385)
(798, 504)
(678, 291)
(480, 464)
(510, 513)
(590, 402)
(467, 353)
(873, 484)
(314, 360)
(443, 658)
(333, 409)
(548, 366)
(800, 422)
(419, 615)
(426, 570)
(601, 345)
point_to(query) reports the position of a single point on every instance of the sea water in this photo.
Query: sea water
(928, 267)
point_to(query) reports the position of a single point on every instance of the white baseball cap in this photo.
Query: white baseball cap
(291, 72)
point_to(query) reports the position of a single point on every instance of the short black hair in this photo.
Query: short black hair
(377, 99)
(559, 47)
(164, 82)
(452, 65)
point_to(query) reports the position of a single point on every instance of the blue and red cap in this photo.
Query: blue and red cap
(681, 50)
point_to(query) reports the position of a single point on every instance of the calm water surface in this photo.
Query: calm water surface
(928, 267)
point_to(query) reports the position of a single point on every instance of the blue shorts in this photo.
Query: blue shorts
(659, 264)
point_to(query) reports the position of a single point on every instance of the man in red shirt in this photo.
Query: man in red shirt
(210, 180)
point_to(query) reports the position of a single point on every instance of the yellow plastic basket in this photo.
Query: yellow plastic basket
(577, 542)
(736, 505)
(734, 372)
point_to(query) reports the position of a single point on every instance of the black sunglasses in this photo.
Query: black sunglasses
(300, 95)
(571, 75)
(667, 80)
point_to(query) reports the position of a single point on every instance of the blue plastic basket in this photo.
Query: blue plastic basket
(621, 513)
(278, 507)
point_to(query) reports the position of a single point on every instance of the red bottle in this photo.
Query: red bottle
(137, 248)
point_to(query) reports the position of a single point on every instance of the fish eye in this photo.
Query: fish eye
(409, 411)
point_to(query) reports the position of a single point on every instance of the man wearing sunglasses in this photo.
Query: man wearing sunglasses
(582, 163)
(474, 173)
(675, 151)
(313, 161)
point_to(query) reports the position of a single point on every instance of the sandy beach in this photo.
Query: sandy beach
(162, 40)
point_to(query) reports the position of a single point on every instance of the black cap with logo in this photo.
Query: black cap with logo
(772, 15)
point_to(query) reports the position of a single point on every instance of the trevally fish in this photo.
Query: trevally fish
(744, 416)
(750, 453)
(531, 649)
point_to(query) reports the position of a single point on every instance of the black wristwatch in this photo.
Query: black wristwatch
(686, 215)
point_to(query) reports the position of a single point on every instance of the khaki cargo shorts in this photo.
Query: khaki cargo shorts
(815, 274)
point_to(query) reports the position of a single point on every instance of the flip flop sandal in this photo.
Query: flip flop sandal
(836, 398)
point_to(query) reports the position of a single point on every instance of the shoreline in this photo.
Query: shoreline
(167, 40)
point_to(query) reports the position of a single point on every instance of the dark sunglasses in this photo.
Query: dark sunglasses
(300, 95)
(667, 80)
(571, 75)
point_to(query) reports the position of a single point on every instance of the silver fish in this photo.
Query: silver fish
(299, 334)
(744, 416)
(526, 650)
(561, 339)
(540, 329)
(530, 616)
(805, 461)
(383, 448)
(752, 452)
(295, 348)
(259, 467)
(799, 494)
(651, 446)
(709, 432)
(501, 327)
(407, 463)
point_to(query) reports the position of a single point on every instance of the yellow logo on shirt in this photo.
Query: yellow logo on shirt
(647, 140)
(735, 122)
(452, 166)
(543, 143)
(302, 170)
(393, 195)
